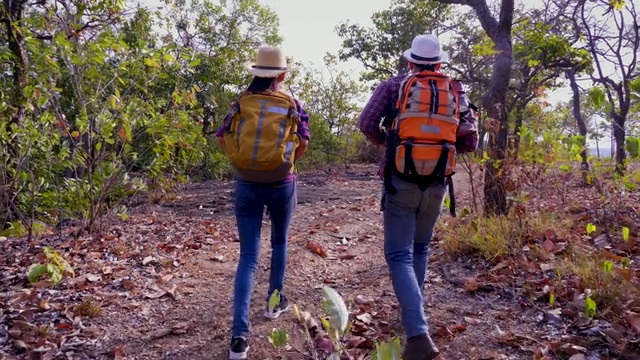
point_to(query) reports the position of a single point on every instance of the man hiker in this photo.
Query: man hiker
(426, 120)
(264, 134)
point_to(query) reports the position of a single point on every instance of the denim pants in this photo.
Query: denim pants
(251, 199)
(409, 218)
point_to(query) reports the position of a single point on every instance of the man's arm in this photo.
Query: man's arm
(373, 112)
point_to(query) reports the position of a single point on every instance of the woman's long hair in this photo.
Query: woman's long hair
(260, 83)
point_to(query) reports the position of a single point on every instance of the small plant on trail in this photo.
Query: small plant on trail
(54, 267)
(591, 228)
(279, 338)
(337, 322)
(388, 350)
(589, 307)
(625, 234)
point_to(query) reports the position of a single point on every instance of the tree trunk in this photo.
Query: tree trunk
(619, 135)
(11, 14)
(494, 101)
(582, 126)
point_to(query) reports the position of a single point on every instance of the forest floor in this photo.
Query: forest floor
(158, 285)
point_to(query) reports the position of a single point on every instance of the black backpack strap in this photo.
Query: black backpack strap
(441, 165)
(409, 164)
(389, 163)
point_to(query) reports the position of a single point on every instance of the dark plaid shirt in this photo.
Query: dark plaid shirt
(379, 111)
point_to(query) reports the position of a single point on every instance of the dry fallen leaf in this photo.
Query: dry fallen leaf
(128, 284)
(365, 318)
(498, 333)
(549, 245)
(471, 321)
(633, 319)
(147, 260)
(93, 278)
(155, 294)
(460, 327)
(173, 292)
(316, 249)
(363, 300)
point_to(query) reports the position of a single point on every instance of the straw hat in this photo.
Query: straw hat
(270, 63)
(426, 50)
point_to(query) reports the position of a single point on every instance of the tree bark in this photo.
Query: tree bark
(619, 135)
(11, 15)
(494, 99)
(582, 126)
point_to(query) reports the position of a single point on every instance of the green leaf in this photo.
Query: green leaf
(617, 4)
(474, 226)
(591, 228)
(597, 97)
(625, 234)
(626, 262)
(552, 299)
(151, 63)
(589, 307)
(274, 300)
(635, 87)
(336, 308)
(55, 273)
(388, 351)
(35, 272)
(278, 337)
(607, 266)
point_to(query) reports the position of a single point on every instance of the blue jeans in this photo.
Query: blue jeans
(251, 199)
(409, 218)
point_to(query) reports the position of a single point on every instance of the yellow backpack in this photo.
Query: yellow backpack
(262, 137)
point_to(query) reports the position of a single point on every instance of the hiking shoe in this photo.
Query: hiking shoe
(282, 306)
(239, 348)
(420, 347)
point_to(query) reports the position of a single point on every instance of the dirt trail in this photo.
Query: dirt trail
(187, 246)
(341, 213)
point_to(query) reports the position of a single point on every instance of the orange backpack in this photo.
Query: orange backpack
(423, 133)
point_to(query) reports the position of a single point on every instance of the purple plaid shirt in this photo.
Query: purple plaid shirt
(379, 111)
(303, 127)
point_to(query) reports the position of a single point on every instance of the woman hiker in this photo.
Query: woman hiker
(265, 132)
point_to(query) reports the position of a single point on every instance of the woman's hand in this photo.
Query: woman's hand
(221, 142)
(301, 149)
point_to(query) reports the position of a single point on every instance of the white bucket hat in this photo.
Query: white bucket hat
(426, 50)
(270, 63)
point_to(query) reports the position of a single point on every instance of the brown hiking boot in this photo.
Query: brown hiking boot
(420, 347)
